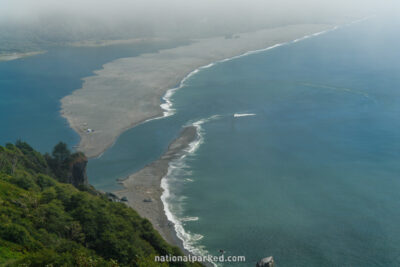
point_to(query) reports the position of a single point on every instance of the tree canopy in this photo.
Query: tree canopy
(47, 223)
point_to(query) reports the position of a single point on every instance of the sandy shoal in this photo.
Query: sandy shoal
(143, 188)
(128, 91)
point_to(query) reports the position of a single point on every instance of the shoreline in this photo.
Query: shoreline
(143, 189)
(103, 43)
(15, 56)
(114, 99)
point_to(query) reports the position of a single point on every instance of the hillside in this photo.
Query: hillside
(46, 222)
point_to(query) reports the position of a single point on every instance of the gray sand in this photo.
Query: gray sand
(145, 185)
(14, 56)
(128, 91)
(102, 43)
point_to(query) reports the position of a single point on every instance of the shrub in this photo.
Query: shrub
(15, 233)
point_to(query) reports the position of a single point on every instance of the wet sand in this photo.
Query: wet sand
(143, 189)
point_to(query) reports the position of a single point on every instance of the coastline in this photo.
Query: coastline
(103, 43)
(14, 56)
(129, 91)
(143, 189)
(155, 87)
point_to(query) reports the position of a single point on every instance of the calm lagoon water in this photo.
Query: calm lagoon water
(31, 89)
(312, 178)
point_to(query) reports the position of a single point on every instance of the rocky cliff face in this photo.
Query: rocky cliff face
(77, 175)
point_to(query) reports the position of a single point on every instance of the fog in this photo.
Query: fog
(56, 21)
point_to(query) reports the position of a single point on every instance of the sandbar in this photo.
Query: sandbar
(129, 91)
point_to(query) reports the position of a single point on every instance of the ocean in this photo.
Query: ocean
(298, 155)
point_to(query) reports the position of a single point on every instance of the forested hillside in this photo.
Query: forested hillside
(44, 222)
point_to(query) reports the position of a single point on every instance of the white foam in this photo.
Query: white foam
(190, 239)
(194, 146)
(190, 219)
(167, 106)
(176, 167)
(237, 115)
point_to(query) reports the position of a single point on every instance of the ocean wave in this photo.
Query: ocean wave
(190, 219)
(177, 169)
(167, 106)
(194, 146)
(190, 240)
(238, 115)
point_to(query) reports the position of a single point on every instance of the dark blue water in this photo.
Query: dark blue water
(31, 89)
(313, 178)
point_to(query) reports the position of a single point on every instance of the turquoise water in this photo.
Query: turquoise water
(31, 89)
(312, 178)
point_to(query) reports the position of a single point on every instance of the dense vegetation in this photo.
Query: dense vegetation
(44, 222)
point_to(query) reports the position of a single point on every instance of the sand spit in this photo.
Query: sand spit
(128, 91)
(143, 189)
(14, 56)
(102, 43)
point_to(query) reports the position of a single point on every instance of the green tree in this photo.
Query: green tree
(44, 222)
(59, 161)
(61, 153)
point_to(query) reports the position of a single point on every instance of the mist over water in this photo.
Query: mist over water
(27, 25)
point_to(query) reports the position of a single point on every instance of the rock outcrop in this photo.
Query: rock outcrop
(266, 262)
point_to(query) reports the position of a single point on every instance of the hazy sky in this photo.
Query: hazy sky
(23, 8)
(186, 17)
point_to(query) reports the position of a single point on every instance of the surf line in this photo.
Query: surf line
(190, 239)
(167, 106)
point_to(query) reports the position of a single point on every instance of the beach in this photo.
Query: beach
(129, 91)
(143, 189)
